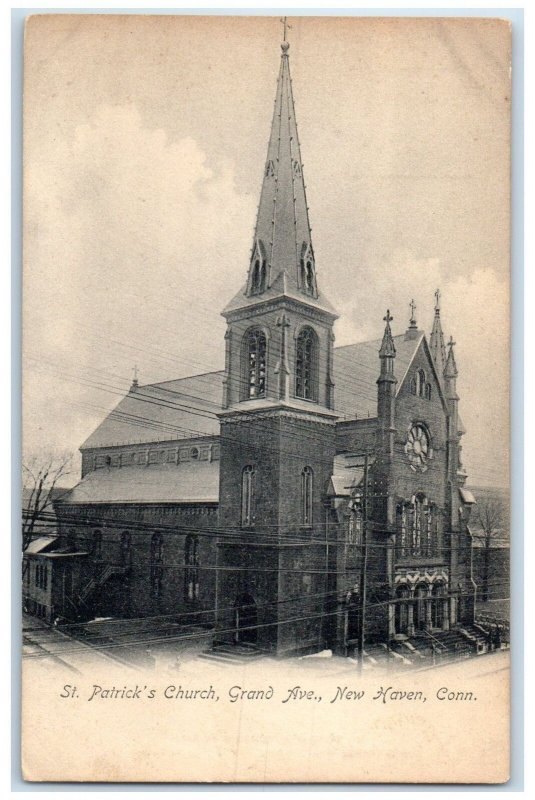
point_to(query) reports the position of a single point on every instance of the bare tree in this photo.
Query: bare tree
(490, 517)
(40, 479)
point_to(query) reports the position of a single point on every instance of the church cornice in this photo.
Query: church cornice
(324, 417)
(277, 304)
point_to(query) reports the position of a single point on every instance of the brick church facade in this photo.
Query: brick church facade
(250, 499)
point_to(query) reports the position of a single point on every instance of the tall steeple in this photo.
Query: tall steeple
(282, 256)
(436, 342)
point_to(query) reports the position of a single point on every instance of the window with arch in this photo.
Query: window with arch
(417, 528)
(126, 548)
(307, 273)
(247, 496)
(421, 385)
(156, 565)
(354, 536)
(438, 594)
(401, 615)
(255, 363)
(307, 480)
(428, 391)
(97, 545)
(306, 367)
(258, 282)
(191, 571)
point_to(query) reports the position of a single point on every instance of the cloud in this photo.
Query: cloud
(131, 243)
(134, 241)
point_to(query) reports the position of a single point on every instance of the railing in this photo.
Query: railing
(101, 578)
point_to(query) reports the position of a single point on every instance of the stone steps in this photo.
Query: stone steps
(232, 654)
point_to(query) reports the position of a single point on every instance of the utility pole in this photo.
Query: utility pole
(363, 568)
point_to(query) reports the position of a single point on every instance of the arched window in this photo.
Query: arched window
(156, 565)
(413, 386)
(437, 604)
(255, 359)
(191, 572)
(126, 544)
(420, 606)
(417, 526)
(247, 496)
(401, 614)
(420, 383)
(428, 391)
(97, 545)
(258, 281)
(307, 273)
(307, 478)
(306, 371)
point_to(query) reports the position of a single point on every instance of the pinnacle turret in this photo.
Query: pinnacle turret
(436, 341)
(450, 370)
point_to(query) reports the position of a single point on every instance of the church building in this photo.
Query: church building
(298, 493)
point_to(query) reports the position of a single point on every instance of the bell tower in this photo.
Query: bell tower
(278, 423)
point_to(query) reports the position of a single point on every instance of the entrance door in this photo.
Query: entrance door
(246, 619)
(420, 607)
(402, 610)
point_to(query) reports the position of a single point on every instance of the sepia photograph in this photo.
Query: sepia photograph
(266, 376)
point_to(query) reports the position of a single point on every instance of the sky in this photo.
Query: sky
(144, 147)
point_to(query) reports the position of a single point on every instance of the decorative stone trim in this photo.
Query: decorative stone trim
(412, 577)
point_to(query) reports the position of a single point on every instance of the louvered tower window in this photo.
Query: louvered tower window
(255, 353)
(306, 365)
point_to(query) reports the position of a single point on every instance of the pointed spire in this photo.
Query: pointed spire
(450, 370)
(436, 341)
(282, 225)
(388, 349)
(282, 258)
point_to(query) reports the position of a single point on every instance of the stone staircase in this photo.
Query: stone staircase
(232, 654)
(477, 636)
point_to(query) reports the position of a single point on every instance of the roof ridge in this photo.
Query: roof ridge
(184, 378)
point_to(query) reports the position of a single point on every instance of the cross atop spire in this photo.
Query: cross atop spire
(285, 45)
(388, 349)
(437, 302)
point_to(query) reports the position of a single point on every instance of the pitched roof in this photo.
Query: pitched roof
(179, 409)
(40, 544)
(356, 369)
(186, 408)
(193, 482)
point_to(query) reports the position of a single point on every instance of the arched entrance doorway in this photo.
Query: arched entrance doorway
(420, 607)
(245, 619)
(401, 615)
